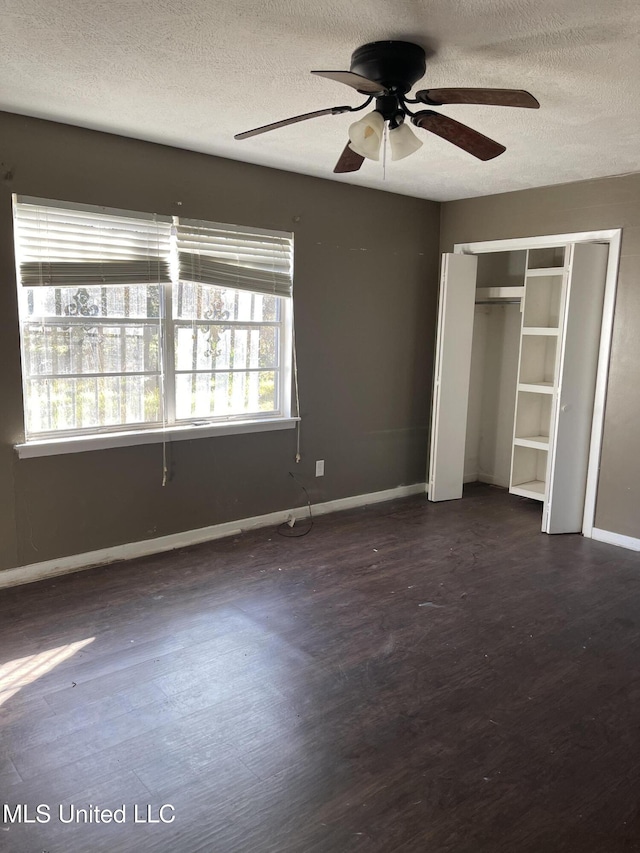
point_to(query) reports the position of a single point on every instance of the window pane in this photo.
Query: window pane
(69, 404)
(204, 395)
(94, 353)
(216, 347)
(206, 302)
(134, 300)
(86, 349)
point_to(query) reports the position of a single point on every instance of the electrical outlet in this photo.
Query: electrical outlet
(320, 468)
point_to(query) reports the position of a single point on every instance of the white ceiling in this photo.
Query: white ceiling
(191, 73)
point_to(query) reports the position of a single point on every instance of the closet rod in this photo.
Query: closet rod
(498, 302)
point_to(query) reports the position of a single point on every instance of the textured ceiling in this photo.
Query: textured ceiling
(193, 73)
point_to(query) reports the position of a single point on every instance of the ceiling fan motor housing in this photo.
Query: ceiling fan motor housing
(397, 65)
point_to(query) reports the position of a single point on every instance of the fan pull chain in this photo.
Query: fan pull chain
(384, 153)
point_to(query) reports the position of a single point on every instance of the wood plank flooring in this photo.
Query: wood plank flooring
(409, 677)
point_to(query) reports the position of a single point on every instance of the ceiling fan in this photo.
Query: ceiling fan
(386, 71)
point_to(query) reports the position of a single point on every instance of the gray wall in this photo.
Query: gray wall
(365, 296)
(584, 206)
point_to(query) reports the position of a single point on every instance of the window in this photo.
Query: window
(134, 322)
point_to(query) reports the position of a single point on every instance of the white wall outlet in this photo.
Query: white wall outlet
(320, 468)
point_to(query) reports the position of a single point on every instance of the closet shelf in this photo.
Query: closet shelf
(498, 293)
(546, 271)
(534, 489)
(538, 442)
(541, 330)
(536, 387)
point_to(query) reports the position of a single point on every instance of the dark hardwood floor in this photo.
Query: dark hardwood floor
(408, 677)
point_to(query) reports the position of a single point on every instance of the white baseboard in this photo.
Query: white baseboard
(77, 562)
(610, 538)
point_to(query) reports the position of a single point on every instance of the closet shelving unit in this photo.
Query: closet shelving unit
(542, 312)
(515, 395)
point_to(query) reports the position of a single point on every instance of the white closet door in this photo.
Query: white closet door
(573, 413)
(451, 380)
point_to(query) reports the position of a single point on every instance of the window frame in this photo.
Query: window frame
(169, 427)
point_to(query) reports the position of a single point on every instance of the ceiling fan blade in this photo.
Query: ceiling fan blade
(459, 134)
(285, 121)
(489, 97)
(349, 161)
(356, 81)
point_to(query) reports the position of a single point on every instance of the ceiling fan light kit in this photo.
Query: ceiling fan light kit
(386, 71)
(403, 142)
(365, 135)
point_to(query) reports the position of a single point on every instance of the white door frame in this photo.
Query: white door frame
(613, 237)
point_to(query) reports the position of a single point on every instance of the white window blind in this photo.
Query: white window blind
(130, 320)
(245, 259)
(80, 245)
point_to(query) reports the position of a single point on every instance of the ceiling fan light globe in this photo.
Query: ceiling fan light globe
(403, 142)
(365, 135)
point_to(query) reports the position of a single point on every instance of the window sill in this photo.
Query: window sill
(78, 444)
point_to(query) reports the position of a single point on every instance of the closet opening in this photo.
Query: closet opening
(524, 329)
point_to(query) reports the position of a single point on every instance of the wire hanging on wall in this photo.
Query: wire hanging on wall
(282, 529)
(296, 389)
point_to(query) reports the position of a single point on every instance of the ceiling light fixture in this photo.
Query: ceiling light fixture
(365, 135)
(403, 142)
